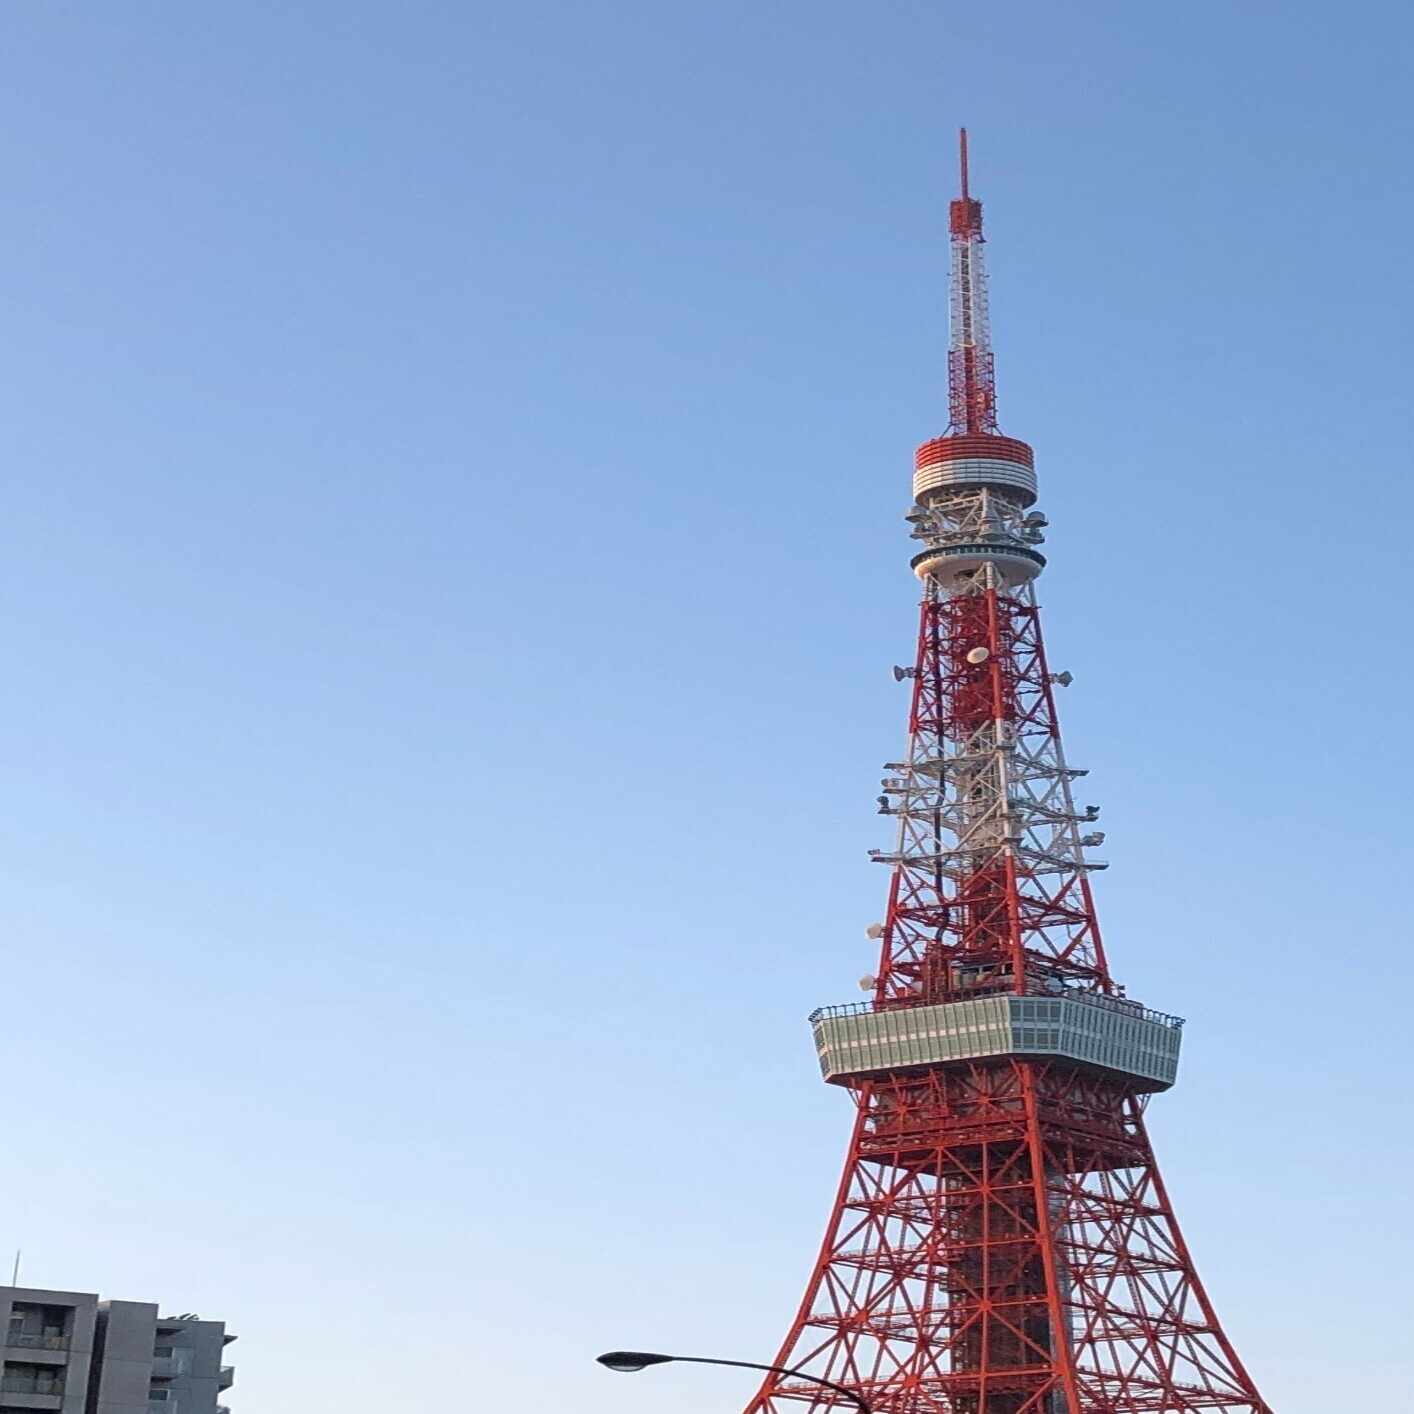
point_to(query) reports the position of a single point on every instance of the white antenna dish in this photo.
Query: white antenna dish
(874, 930)
(978, 655)
(867, 983)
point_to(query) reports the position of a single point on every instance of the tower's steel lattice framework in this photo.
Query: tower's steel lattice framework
(1001, 1241)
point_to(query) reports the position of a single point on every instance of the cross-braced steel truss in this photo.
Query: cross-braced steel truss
(1002, 1243)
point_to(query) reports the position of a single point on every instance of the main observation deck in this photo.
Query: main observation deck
(856, 1042)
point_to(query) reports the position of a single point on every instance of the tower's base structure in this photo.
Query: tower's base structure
(1001, 1241)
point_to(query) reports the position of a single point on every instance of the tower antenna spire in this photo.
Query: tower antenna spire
(972, 394)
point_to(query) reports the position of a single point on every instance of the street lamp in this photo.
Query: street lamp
(628, 1362)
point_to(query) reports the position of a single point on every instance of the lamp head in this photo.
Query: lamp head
(628, 1362)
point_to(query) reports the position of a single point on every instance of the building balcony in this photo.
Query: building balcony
(32, 1394)
(47, 1356)
(28, 1384)
(25, 1340)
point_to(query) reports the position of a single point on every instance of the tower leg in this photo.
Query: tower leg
(1001, 1243)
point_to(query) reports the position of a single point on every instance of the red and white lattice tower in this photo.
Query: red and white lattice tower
(1001, 1242)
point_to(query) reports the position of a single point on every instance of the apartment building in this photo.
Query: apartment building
(69, 1352)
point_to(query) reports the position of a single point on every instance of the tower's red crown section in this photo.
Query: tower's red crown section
(967, 446)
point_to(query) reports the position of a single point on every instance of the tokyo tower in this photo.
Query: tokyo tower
(1001, 1240)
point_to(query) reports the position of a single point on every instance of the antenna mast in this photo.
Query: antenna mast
(972, 394)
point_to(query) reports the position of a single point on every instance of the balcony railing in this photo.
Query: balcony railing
(1121, 1005)
(33, 1341)
(23, 1384)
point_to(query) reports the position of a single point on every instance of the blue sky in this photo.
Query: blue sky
(450, 566)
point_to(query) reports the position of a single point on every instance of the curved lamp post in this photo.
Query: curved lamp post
(627, 1362)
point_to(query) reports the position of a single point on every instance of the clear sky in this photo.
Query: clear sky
(450, 565)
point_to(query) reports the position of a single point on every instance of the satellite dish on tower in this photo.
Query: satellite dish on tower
(978, 655)
(867, 983)
(874, 930)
